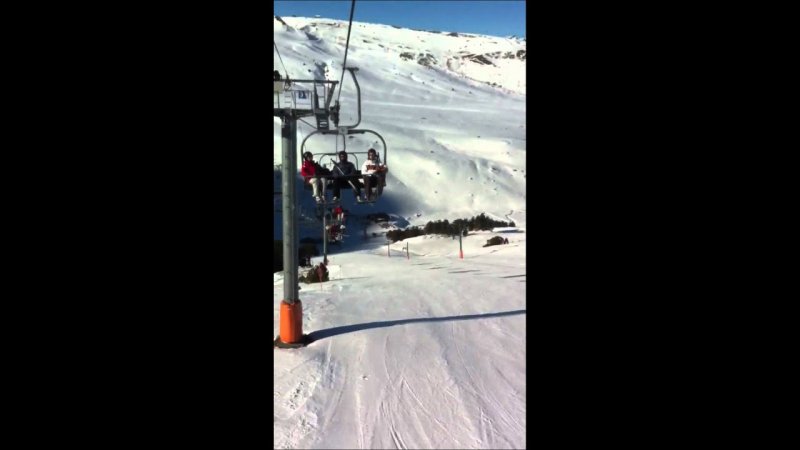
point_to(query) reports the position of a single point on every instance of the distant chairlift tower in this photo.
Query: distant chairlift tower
(290, 103)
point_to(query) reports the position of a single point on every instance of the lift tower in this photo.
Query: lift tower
(293, 99)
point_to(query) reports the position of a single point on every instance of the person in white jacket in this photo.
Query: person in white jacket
(374, 173)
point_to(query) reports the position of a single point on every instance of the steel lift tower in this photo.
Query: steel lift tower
(291, 102)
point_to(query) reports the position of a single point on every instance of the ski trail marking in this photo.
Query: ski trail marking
(422, 406)
(358, 394)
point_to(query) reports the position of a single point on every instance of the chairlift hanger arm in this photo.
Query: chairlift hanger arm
(312, 81)
(352, 71)
(349, 132)
(328, 87)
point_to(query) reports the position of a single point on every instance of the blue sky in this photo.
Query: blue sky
(494, 18)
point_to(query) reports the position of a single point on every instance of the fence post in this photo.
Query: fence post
(324, 238)
(408, 255)
(460, 247)
(387, 249)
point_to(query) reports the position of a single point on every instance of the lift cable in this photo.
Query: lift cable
(312, 126)
(286, 72)
(281, 60)
(346, 46)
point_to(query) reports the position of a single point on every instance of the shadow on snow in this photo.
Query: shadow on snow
(388, 203)
(335, 331)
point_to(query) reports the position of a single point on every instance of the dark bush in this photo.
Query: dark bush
(477, 223)
(304, 251)
(399, 235)
(482, 222)
(497, 240)
(313, 274)
(304, 260)
(444, 227)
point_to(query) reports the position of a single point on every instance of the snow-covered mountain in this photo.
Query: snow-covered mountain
(450, 105)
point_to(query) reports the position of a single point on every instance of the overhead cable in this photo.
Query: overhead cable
(281, 59)
(346, 46)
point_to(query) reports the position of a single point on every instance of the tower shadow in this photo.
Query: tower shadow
(335, 331)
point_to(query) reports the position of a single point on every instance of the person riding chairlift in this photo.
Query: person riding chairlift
(374, 173)
(338, 213)
(334, 232)
(341, 169)
(312, 174)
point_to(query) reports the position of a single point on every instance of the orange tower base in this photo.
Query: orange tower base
(291, 331)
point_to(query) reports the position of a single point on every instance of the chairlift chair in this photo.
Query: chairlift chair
(345, 132)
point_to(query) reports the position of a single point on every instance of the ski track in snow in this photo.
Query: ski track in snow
(407, 385)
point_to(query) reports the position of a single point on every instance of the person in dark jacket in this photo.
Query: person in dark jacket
(341, 169)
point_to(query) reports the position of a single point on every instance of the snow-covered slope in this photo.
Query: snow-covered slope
(456, 143)
(419, 352)
(426, 351)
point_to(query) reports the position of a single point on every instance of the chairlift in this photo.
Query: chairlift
(353, 181)
(335, 233)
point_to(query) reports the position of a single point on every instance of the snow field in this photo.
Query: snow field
(426, 352)
(468, 125)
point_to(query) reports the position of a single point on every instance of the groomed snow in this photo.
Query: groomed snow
(419, 352)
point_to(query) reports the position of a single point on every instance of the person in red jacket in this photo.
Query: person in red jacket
(338, 213)
(335, 232)
(312, 174)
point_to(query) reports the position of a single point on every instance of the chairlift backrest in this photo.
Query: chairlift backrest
(328, 160)
(350, 132)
